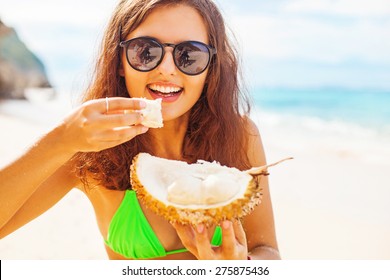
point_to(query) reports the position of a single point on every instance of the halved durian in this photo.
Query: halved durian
(203, 192)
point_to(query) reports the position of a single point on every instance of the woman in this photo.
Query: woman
(190, 64)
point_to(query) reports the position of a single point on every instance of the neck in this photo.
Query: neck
(167, 142)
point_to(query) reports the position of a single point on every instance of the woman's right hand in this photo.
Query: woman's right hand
(102, 123)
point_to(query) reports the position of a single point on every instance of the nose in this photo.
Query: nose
(167, 65)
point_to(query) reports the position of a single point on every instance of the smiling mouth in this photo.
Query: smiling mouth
(165, 91)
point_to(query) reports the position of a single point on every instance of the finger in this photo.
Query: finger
(228, 237)
(239, 232)
(202, 239)
(120, 103)
(121, 134)
(187, 237)
(112, 121)
(113, 104)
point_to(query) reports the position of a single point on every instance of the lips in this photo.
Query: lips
(168, 92)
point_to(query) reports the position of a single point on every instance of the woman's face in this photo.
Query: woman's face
(179, 92)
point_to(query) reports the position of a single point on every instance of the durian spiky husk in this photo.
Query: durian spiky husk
(202, 192)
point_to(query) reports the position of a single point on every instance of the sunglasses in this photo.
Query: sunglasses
(145, 54)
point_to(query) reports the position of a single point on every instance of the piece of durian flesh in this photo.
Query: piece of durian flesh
(152, 113)
(203, 192)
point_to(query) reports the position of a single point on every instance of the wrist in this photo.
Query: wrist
(264, 252)
(54, 141)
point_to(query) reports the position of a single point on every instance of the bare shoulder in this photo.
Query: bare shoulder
(255, 152)
(251, 126)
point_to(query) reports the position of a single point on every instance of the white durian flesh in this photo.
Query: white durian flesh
(152, 113)
(203, 192)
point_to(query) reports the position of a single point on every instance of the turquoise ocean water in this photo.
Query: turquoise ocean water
(364, 108)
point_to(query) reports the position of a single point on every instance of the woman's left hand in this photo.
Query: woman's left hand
(197, 241)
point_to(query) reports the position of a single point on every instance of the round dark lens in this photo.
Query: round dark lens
(144, 54)
(192, 57)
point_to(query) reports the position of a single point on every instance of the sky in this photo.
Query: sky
(284, 43)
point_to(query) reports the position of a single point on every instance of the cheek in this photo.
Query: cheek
(196, 84)
(135, 82)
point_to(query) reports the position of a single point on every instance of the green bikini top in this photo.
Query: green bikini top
(131, 235)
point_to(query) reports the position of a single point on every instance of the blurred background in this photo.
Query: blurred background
(319, 75)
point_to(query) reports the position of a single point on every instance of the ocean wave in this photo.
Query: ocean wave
(321, 136)
(322, 125)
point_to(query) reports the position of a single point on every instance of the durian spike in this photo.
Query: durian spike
(262, 170)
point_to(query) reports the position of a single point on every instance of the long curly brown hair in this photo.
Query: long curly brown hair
(217, 127)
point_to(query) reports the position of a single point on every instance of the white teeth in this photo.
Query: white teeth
(164, 89)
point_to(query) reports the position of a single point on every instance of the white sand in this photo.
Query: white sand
(330, 202)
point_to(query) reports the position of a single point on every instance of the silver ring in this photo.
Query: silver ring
(107, 107)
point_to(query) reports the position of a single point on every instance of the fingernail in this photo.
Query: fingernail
(226, 224)
(142, 104)
(200, 228)
(144, 129)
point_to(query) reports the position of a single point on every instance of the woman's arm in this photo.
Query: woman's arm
(259, 226)
(20, 179)
(43, 198)
(42, 177)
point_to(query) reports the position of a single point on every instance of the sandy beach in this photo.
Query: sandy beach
(330, 202)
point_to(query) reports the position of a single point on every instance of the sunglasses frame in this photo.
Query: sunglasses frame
(211, 51)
